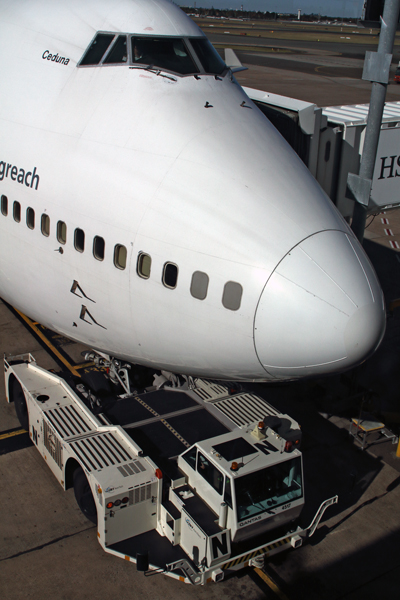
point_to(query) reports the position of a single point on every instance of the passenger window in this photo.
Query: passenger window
(4, 205)
(210, 473)
(79, 240)
(232, 295)
(45, 225)
(97, 48)
(120, 255)
(118, 53)
(144, 265)
(98, 247)
(17, 211)
(199, 285)
(170, 275)
(61, 232)
(30, 218)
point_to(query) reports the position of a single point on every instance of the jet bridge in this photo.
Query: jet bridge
(330, 142)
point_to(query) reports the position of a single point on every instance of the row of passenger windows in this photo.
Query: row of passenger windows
(120, 253)
(232, 294)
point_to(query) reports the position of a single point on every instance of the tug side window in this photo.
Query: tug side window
(190, 457)
(210, 473)
(228, 492)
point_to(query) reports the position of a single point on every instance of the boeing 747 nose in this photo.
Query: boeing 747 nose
(150, 211)
(326, 293)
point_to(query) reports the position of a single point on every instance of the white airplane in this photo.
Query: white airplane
(151, 211)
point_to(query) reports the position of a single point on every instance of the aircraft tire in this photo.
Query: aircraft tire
(84, 496)
(18, 397)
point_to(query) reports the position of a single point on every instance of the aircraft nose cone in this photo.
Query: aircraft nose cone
(321, 310)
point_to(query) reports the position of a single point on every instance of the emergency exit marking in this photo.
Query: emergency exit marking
(385, 221)
(388, 232)
(394, 245)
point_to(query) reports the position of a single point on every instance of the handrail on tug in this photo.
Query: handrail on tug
(315, 522)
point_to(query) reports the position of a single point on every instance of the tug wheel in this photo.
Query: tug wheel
(18, 397)
(84, 496)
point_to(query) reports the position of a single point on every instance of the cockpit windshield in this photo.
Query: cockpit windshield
(266, 489)
(208, 56)
(183, 56)
(169, 54)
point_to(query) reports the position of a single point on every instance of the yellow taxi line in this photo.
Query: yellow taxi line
(49, 344)
(271, 584)
(4, 436)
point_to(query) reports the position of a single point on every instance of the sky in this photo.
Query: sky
(331, 8)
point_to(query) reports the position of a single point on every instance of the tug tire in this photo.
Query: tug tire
(84, 496)
(18, 397)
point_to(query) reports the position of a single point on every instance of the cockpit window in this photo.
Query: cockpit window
(183, 56)
(165, 53)
(95, 52)
(209, 57)
(119, 51)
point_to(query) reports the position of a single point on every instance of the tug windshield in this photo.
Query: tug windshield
(267, 489)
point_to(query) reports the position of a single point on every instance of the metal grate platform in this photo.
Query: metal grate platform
(244, 409)
(100, 451)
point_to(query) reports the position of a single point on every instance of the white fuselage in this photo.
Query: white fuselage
(183, 169)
